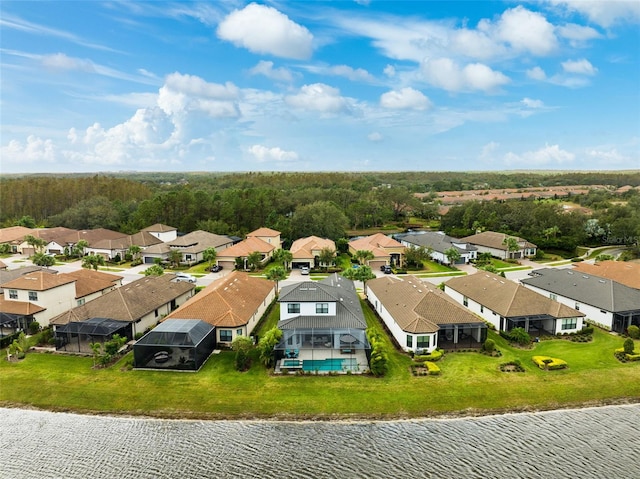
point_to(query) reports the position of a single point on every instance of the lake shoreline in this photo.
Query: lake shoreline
(468, 413)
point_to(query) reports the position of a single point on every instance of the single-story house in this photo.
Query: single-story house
(111, 248)
(232, 304)
(14, 236)
(191, 245)
(50, 236)
(90, 236)
(438, 243)
(609, 304)
(421, 317)
(496, 244)
(323, 327)
(305, 251)
(508, 305)
(175, 344)
(385, 250)
(141, 304)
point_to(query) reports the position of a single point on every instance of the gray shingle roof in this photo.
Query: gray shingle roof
(595, 291)
(437, 241)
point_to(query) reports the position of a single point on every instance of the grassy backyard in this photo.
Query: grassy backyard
(470, 383)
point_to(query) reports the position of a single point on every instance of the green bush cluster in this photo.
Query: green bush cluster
(435, 355)
(515, 366)
(378, 363)
(517, 335)
(433, 368)
(549, 363)
(633, 331)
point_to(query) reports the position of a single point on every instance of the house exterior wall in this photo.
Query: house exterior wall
(498, 253)
(57, 300)
(485, 313)
(602, 318)
(54, 248)
(306, 309)
(152, 318)
(398, 333)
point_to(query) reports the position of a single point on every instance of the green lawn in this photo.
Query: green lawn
(469, 383)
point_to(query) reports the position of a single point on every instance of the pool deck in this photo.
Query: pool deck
(318, 355)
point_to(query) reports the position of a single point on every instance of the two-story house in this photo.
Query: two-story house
(323, 327)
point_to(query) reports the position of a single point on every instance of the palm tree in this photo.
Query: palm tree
(210, 255)
(326, 257)
(254, 260)
(38, 244)
(93, 261)
(41, 259)
(285, 256)
(452, 255)
(175, 256)
(134, 250)
(363, 255)
(363, 273)
(276, 274)
(78, 249)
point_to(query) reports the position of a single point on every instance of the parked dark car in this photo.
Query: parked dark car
(387, 269)
(216, 268)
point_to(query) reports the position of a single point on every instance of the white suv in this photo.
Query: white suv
(185, 277)
(304, 270)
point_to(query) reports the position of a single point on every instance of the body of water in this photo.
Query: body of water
(582, 443)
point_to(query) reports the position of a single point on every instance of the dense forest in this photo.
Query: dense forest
(324, 204)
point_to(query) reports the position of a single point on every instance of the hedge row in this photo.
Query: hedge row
(547, 362)
(433, 356)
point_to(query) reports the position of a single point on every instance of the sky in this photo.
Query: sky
(90, 86)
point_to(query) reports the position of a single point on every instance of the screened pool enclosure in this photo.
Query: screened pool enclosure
(77, 336)
(175, 344)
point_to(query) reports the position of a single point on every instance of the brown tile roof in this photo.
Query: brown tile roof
(228, 302)
(89, 281)
(378, 244)
(141, 239)
(23, 308)
(492, 239)
(130, 302)
(622, 272)
(159, 228)
(264, 232)
(507, 298)
(417, 306)
(7, 275)
(91, 236)
(14, 233)
(53, 234)
(304, 247)
(246, 247)
(38, 281)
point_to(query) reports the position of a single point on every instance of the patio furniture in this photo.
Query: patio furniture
(161, 357)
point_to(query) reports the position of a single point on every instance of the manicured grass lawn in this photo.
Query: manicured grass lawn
(470, 382)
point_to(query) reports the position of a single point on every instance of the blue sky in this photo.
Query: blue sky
(91, 86)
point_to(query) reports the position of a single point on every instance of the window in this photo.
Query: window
(33, 296)
(481, 309)
(13, 294)
(553, 296)
(577, 306)
(226, 335)
(569, 323)
(409, 341)
(423, 342)
(238, 332)
(156, 313)
(80, 301)
(293, 308)
(322, 308)
(465, 301)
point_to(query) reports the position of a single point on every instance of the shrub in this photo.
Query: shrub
(34, 327)
(632, 357)
(435, 355)
(520, 336)
(433, 368)
(628, 346)
(489, 346)
(633, 331)
(549, 363)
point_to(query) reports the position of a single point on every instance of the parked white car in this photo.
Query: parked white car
(185, 277)
(304, 270)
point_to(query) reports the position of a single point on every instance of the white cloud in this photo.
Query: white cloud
(263, 154)
(60, 61)
(182, 93)
(35, 150)
(525, 30)
(604, 13)
(266, 68)
(405, 99)
(390, 71)
(262, 29)
(318, 96)
(447, 74)
(577, 34)
(375, 136)
(581, 67)
(549, 155)
(353, 74)
(529, 103)
(536, 73)
(608, 157)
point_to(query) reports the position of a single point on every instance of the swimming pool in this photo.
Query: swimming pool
(332, 364)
